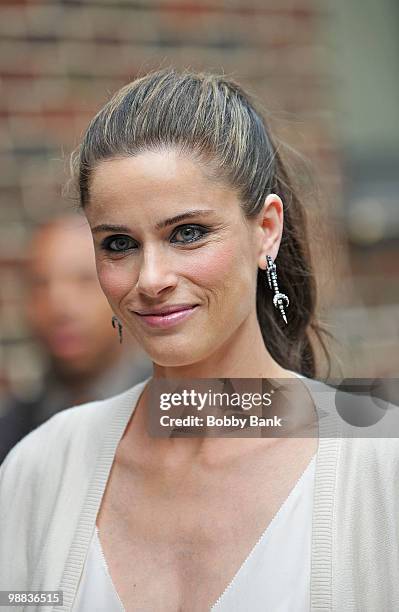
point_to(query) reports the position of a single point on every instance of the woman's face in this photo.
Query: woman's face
(165, 235)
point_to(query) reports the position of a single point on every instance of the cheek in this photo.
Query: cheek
(114, 280)
(227, 275)
(215, 266)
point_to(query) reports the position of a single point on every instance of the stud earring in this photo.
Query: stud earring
(280, 299)
(116, 322)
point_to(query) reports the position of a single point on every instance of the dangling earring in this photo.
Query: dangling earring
(115, 321)
(279, 299)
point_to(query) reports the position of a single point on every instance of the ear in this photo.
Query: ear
(270, 225)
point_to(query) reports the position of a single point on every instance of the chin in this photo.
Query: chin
(174, 354)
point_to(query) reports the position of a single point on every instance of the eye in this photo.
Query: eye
(117, 244)
(190, 233)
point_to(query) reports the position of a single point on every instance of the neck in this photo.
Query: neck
(244, 355)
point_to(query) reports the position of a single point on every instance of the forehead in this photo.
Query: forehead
(164, 179)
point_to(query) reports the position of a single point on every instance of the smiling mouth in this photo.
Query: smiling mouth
(169, 319)
(166, 309)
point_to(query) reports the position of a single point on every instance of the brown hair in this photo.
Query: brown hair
(211, 118)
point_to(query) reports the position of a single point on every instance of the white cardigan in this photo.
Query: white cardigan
(53, 480)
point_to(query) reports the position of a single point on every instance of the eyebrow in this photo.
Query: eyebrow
(105, 227)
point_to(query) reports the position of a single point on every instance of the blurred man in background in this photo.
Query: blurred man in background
(71, 319)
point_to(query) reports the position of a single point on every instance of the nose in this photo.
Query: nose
(156, 274)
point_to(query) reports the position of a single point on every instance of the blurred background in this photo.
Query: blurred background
(326, 74)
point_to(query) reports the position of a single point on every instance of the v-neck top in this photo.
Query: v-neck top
(274, 577)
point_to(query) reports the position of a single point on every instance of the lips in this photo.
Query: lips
(165, 310)
(168, 317)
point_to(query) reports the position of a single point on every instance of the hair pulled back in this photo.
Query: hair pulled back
(212, 119)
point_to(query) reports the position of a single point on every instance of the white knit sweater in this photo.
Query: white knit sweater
(52, 483)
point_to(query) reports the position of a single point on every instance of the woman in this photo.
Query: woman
(189, 206)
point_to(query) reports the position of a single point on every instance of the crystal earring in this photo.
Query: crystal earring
(280, 299)
(116, 322)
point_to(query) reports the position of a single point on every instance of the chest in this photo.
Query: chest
(174, 540)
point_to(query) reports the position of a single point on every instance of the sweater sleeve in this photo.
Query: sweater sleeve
(30, 478)
(366, 534)
(17, 492)
(44, 481)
